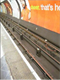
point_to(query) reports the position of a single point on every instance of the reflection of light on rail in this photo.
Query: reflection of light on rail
(24, 59)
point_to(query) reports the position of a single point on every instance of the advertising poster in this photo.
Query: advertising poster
(8, 7)
(44, 13)
(0, 9)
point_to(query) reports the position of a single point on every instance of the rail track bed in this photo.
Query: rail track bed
(45, 55)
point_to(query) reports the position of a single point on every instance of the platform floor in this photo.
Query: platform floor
(11, 62)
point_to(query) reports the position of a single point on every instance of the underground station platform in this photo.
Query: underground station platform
(13, 65)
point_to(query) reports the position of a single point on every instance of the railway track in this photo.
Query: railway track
(39, 55)
(53, 53)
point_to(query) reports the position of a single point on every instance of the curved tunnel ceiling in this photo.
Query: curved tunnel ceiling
(15, 8)
(2, 0)
(12, 8)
